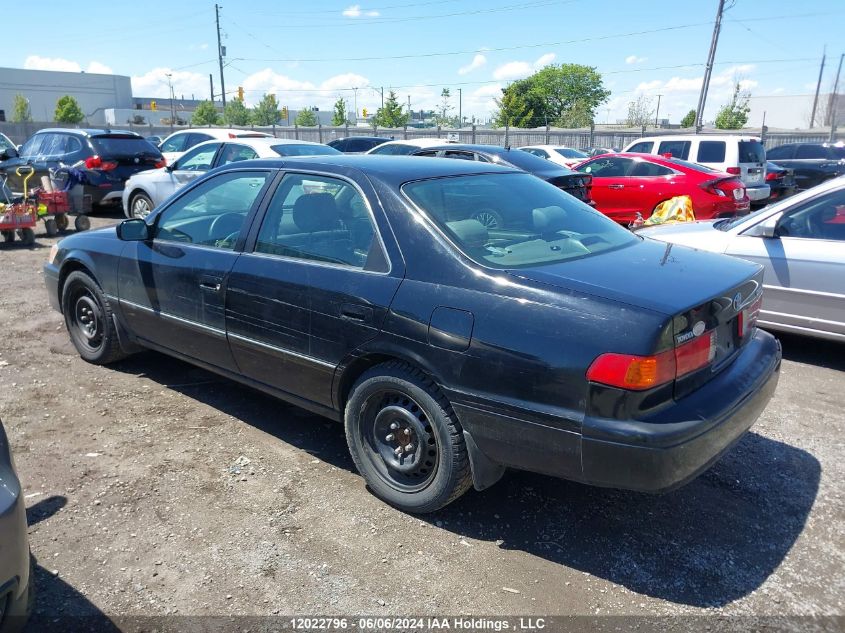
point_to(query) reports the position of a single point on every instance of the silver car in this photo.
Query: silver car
(801, 243)
(147, 189)
(15, 571)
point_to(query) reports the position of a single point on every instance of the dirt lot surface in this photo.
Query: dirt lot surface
(155, 488)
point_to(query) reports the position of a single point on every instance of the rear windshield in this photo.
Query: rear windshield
(394, 149)
(304, 150)
(570, 153)
(696, 166)
(751, 152)
(524, 160)
(123, 146)
(515, 220)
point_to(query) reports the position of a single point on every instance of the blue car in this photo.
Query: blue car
(365, 289)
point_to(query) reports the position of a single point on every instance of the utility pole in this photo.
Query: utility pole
(355, 91)
(818, 87)
(172, 113)
(211, 86)
(381, 92)
(702, 98)
(460, 107)
(657, 112)
(220, 54)
(833, 98)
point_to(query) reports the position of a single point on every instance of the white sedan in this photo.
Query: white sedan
(147, 189)
(801, 243)
(565, 156)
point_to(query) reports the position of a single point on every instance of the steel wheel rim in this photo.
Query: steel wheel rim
(489, 220)
(140, 207)
(87, 320)
(399, 441)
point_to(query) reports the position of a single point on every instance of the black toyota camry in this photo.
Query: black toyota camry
(362, 288)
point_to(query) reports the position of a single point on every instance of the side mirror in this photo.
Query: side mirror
(133, 230)
(171, 166)
(767, 228)
(8, 153)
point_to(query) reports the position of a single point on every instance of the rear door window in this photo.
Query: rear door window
(643, 147)
(711, 152)
(811, 151)
(175, 143)
(780, 153)
(751, 152)
(195, 138)
(678, 149)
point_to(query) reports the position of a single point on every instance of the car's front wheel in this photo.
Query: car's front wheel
(140, 206)
(405, 439)
(88, 318)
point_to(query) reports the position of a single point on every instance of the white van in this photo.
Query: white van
(743, 156)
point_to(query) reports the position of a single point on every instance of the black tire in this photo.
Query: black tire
(8, 237)
(62, 222)
(51, 227)
(88, 318)
(140, 206)
(82, 223)
(27, 236)
(434, 470)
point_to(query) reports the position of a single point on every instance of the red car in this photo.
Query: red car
(625, 184)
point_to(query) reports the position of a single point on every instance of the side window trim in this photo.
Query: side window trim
(261, 214)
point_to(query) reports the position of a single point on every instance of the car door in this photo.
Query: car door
(193, 164)
(611, 186)
(172, 288)
(315, 285)
(648, 184)
(805, 264)
(809, 164)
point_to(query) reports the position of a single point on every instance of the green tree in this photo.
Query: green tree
(391, 114)
(68, 110)
(267, 111)
(443, 117)
(564, 95)
(306, 118)
(339, 116)
(205, 114)
(20, 110)
(236, 113)
(734, 115)
(689, 119)
(514, 111)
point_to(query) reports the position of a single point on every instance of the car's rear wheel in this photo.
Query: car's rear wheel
(88, 317)
(405, 439)
(140, 206)
(82, 223)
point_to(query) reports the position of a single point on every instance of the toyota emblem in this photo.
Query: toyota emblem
(737, 301)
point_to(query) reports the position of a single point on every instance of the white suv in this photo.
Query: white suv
(180, 142)
(742, 156)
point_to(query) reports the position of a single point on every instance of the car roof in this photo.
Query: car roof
(88, 132)
(424, 141)
(697, 137)
(260, 142)
(391, 169)
(365, 138)
(220, 132)
(549, 147)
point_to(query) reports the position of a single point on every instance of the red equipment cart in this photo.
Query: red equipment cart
(19, 217)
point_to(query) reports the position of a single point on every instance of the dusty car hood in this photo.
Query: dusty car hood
(667, 278)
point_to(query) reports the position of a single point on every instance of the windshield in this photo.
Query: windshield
(514, 220)
(123, 146)
(292, 149)
(566, 152)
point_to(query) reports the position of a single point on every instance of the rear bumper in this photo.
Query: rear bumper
(683, 440)
(758, 193)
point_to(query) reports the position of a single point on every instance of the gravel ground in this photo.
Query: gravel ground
(155, 488)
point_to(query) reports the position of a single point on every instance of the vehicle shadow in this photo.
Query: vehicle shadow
(813, 351)
(707, 544)
(44, 509)
(60, 608)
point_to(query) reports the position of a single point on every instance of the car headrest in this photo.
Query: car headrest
(549, 219)
(471, 232)
(316, 212)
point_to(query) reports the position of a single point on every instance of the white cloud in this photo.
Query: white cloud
(185, 83)
(355, 11)
(35, 62)
(477, 62)
(633, 59)
(346, 80)
(98, 68)
(519, 70)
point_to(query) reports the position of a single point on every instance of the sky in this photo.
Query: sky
(310, 53)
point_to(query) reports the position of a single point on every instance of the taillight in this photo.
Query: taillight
(637, 373)
(774, 175)
(710, 187)
(747, 318)
(108, 165)
(161, 163)
(93, 162)
(231, 135)
(736, 171)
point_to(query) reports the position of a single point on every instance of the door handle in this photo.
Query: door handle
(616, 186)
(353, 312)
(211, 284)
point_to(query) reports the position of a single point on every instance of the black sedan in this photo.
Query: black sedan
(812, 163)
(357, 144)
(15, 572)
(491, 215)
(358, 288)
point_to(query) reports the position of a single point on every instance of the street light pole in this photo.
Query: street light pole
(355, 91)
(702, 98)
(220, 57)
(657, 112)
(172, 113)
(460, 107)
